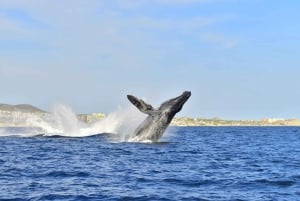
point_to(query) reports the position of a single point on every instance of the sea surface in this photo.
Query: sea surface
(190, 163)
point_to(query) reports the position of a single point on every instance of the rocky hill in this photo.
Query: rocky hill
(26, 108)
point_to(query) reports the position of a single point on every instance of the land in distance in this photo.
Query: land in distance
(17, 115)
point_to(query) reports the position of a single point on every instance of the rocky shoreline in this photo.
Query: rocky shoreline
(185, 121)
(19, 119)
(21, 115)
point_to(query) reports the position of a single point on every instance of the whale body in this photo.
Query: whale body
(157, 121)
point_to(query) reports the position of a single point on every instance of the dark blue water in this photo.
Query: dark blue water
(195, 163)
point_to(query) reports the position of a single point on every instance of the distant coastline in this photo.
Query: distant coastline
(17, 116)
(187, 121)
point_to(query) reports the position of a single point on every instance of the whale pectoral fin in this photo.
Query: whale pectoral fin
(141, 105)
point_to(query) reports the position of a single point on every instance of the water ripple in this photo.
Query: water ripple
(66, 174)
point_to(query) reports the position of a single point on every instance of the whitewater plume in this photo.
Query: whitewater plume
(62, 121)
(66, 121)
(121, 122)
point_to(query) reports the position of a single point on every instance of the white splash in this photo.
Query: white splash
(63, 121)
(122, 122)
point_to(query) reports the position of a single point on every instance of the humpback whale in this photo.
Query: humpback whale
(157, 121)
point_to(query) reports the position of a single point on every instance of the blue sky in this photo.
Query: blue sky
(240, 58)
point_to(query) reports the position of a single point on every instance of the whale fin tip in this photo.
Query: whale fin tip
(141, 105)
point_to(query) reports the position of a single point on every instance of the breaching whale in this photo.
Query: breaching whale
(153, 127)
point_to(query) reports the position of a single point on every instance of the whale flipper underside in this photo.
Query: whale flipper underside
(153, 127)
(141, 105)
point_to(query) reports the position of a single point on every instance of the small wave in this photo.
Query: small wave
(189, 183)
(66, 174)
(71, 136)
(280, 183)
(64, 197)
(143, 197)
(138, 140)
(13, 199)
(297, 176)
(98, 197)
(20, 131)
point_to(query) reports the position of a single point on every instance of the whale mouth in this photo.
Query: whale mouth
(180, 101)
(187, 94)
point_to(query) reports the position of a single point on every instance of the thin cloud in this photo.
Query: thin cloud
(107, 32)
(13, 69)
(138, 3)
(181, 2)
(167, 24)
(220, 40)
(9, 26)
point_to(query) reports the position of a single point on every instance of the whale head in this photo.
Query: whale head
(174, 105)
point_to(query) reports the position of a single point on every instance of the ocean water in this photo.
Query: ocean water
(190, 163)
